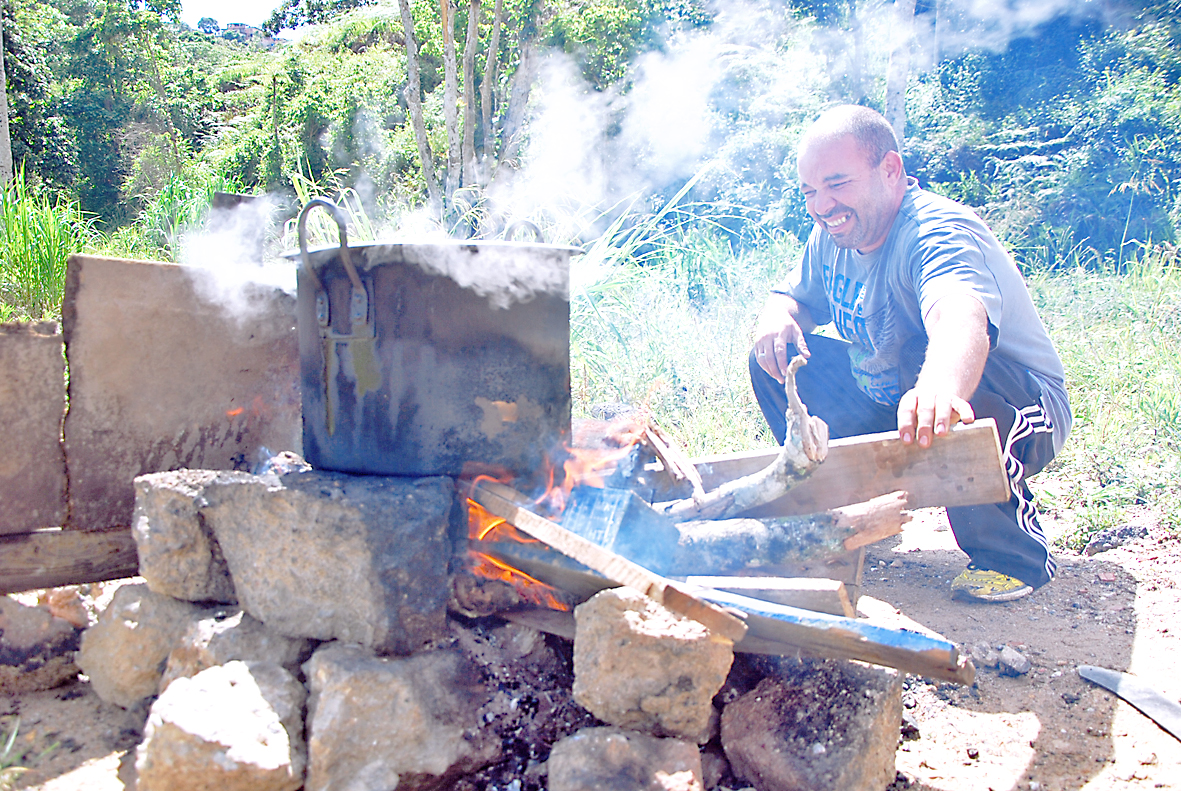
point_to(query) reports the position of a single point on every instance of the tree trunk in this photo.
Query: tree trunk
(414, 101)
(6, 168)
(487, 92)
(527, 68)
(450, 101)
(898, 71)
(857, 68)
(470, 175)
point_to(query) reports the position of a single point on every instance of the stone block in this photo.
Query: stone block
(330, 556)
(178, 555)
(375, 723)
(236, 637)
(162, 376)
(824, 726)
(32, 402)
(124, 654)
(612, 759)
(639, 666)
(36, 648)
(233, 727)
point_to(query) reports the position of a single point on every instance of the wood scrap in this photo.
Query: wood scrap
(53, 557)
(818, 595)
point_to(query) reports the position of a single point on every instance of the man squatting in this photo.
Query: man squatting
(937, 326)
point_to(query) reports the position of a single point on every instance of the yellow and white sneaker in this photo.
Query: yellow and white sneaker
(976, 584)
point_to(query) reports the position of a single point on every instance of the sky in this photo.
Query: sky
(251, 12)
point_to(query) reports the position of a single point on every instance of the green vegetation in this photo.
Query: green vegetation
(1066, 137)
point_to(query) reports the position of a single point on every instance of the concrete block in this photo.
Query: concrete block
(375, 724)
(32, 402)
(163, 377)
(124, 654)
(178, 555)
(823, 726)
(233, 727)
(359, 558)
(612, 759)
(639, 666)
(36, 648)
(235, 637)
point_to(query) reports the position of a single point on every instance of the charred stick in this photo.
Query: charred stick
(730, 545)
(804, 449)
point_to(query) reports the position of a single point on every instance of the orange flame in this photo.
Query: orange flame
(530, 589)
(234, 412)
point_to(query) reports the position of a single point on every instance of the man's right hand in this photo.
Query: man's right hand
(782, 324)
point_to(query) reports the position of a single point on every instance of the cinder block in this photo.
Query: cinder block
(32, 400)
(164, 376)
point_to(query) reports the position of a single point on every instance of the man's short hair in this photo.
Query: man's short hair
(869, 128)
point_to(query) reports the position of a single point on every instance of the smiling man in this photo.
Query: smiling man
(937, 326)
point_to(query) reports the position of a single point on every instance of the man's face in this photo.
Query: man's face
(850, 197)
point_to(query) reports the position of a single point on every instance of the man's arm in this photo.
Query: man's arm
(783, 322)
(957, 348)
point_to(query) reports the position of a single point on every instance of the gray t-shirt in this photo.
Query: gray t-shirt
(879, 301)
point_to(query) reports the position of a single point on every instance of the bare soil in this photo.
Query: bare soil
(1047, 730)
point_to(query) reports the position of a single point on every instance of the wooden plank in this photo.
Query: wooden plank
(55, 557)
(508, 504)
(818, 595)
(776, 629)
(825, 636)
(962, 468)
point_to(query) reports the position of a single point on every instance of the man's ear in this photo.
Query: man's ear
(891, 166)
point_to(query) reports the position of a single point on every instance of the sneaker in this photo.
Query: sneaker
(977, 584)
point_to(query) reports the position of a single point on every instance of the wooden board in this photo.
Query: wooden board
(55, 557)
(962, 468)
(818, 595)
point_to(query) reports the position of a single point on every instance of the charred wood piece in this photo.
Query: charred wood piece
(730, 545)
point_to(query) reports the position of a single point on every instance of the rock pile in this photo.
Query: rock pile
(293, 631)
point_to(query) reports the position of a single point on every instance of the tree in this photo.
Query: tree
(898, 70)
(5, 139)
(208, 25)
(296, 13)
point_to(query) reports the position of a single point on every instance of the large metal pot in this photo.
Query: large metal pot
(433, 359)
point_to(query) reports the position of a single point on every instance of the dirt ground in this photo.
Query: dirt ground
(1048, 730)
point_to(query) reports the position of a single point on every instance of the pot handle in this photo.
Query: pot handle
(516, 225)
(359, 307)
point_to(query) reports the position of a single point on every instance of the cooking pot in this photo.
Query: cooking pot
(437, 358)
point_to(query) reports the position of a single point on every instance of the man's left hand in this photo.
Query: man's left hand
(924, 414)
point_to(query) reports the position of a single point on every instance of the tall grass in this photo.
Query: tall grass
(1119, 336)
(38, 235)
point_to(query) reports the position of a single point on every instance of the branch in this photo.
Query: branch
(486, 92)
(802, 452)
(470, 175)
(414, 101)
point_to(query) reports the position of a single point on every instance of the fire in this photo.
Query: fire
(581, 467)
(530, 589)
(234, 412)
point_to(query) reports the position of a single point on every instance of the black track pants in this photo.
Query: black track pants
(1004, 537)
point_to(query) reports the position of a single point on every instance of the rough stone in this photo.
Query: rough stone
(376, 723)
(324, 555)
(1013, 662)
(36, 649)
(984, 655)
(32, 402)
(233, 727)
(164, 376)
(125, 652)
(1111, 537)
(825, 726)
(613, 759)
(639, 666)
(178, 555)
(217, 641)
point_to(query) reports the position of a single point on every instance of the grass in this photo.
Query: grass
(37, 237)
(1119, 336)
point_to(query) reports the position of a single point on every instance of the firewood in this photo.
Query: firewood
(803, 451)
(726, 546)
